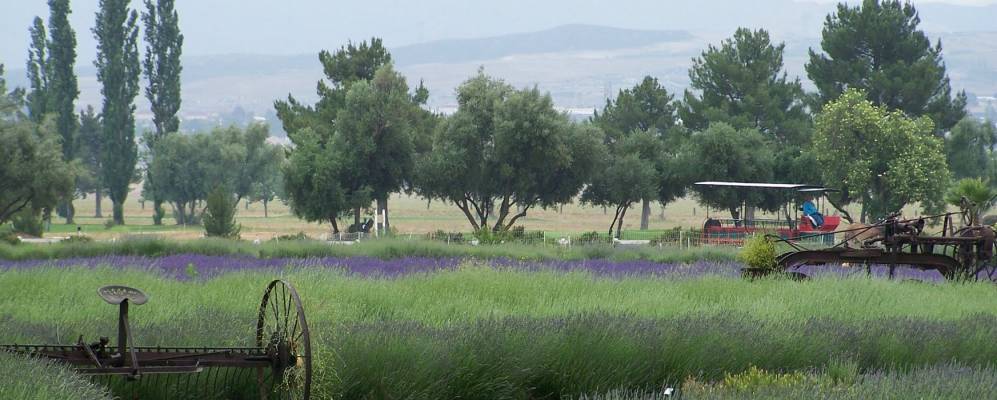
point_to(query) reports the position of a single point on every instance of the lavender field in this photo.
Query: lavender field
(466, 327)
(200, 267)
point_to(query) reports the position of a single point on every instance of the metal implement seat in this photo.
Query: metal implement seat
(115, 294)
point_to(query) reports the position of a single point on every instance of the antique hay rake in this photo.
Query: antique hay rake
(965, 253)
(278, 367)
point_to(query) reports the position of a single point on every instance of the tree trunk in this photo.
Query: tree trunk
(97, 211)
(335, 226)
(645, 215)
(356, 218)
(735, 213)
(382, 208)
(616, 216)
(70, 211)
(179, 213)
(619, 223)
(157, 211)
(118, 209)
(265, 213)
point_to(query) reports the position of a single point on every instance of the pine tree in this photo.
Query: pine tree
(743, 84)
(647, 107)
(117, 63)
(878, 48)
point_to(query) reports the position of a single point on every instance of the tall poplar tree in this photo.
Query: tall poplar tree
(117, 63)
(54, 88)
(63, 89)
(164, 45)
(37, 72)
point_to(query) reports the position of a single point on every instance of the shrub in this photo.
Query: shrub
(592, 237)
(758, 253)
(28, 221)
(219, 215)
(293, 236)
(755, 378)
(78, 239)
(444, 236)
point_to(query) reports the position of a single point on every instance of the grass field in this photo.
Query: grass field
(409, 214)
(487, 331)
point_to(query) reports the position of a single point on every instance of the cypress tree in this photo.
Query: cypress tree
(118, 69)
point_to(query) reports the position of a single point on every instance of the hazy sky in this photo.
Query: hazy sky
(306, 26)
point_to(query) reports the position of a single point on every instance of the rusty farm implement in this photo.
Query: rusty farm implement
(963, 253)
(279, 366)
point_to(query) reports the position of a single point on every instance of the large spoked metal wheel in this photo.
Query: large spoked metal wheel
(282, 332)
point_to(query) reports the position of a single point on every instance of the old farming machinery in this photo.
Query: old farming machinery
(963, 253)
(279, 366)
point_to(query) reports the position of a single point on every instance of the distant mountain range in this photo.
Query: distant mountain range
(579, 64)
(560, 39)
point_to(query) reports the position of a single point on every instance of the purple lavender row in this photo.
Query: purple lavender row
(196, 266)
(190, 266)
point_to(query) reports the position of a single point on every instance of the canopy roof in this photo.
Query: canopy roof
(784, 186)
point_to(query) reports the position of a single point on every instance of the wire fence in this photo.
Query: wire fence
(674, 238)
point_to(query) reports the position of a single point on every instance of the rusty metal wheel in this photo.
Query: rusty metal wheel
(282, 332)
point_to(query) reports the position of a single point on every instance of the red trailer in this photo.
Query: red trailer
(729, 231)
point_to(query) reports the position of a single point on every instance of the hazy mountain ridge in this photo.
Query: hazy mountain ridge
(577, 37)
(578, 64)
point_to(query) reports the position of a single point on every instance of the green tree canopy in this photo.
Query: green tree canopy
(970, 149)
(879, 157)
(365, 115)
(647, 107)
(375, 127)
(187, 167)
(349, 64)
(315, 181)
(54, 88)
(33, 174)
(877, 47)
(504, 152)
(723, 153)
(624, 175)
(270, 184)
